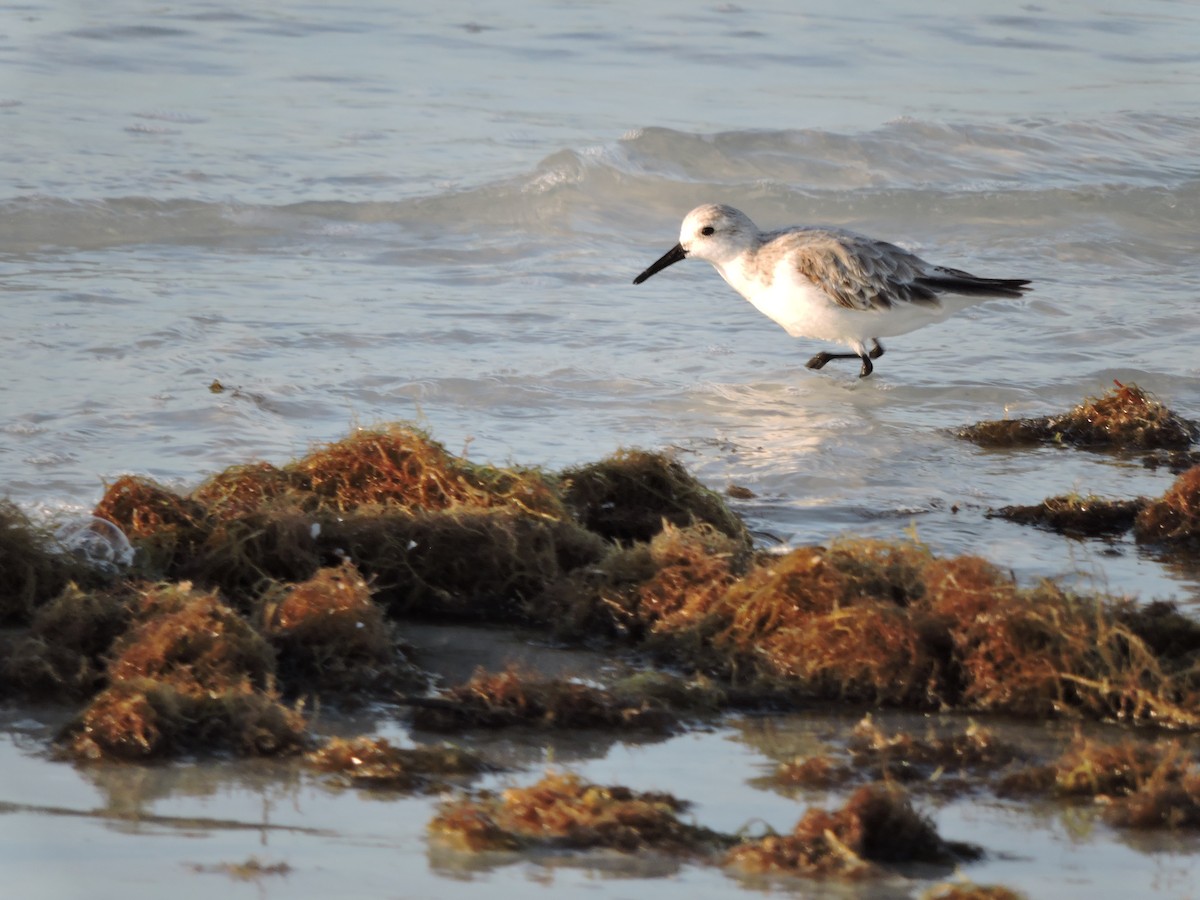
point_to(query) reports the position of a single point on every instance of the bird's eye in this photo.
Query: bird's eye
(707, 230)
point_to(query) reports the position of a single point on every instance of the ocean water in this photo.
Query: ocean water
(366, 212)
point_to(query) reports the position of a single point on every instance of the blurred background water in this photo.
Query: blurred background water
(373, 211)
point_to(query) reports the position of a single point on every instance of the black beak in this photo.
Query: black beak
(672, 256)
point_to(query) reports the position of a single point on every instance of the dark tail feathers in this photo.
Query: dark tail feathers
(956, 281)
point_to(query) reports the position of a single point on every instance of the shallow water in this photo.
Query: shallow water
(133, 830)
(367, 212)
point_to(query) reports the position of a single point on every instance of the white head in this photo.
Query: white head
(712, 232)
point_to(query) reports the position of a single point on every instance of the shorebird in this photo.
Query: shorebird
(828, 283)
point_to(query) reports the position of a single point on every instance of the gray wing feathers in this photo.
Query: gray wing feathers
(859, 273)
(864, 274)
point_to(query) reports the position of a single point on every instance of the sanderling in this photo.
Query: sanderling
(827, 283)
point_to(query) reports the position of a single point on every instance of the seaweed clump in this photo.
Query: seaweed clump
(839, 621)
(142, 720)
(403, 466)
(823, 622)
(375, 763)
(1174, 518)
(252, 869)
(626, 497)
(190, 674)
(463, 563)
(330, 634)
(32, 571)
(934, 761)
(877, 827)
(655, 594)
(965, 890)
(513, 697)
(562, 811)
(1125, 418)
(437, 534)
(320, 552)
(903, 757)
(166, 529)
(63, 655)
(1140, 785)
(392, 466)
(1046, 651)
(1169, 634)
(889, 623)
(812, 772)
(1077, 516)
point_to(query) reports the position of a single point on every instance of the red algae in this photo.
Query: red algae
(253, 524)
(965, 890)
(286, 581)
(1125, 418)
(189, 675)
(865, 621)
(811, 622)
(375, 763)
(516, 697)
(143, 719)
(63, 655)
(564, 811)
(635, 593)
(812, 772)
(32, 572)
(1093, 769)
(245, 555)
(436, 534)
(250, 870)
(947, 764)
(319, 554)
(240, 490)
(626, 497)
(382, 466)
(164, 527)
(877, 826)
(402, 466)
(1172, 636)
(889, 623)
(474, 564)
(330, 634)
(1173, 519)
(680, 610)
(1077, 516)
(904, 757)
(192, 638)
(882, 622)
(1048, 651)
(1164, 800)
(1140, 784)
(468, 826)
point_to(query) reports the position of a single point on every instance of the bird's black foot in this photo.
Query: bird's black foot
(876, 348)
(818, 361)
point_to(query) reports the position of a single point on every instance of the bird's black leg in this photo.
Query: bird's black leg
(818, 361)
(876, 348)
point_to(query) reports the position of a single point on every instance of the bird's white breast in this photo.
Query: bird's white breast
(788, 298)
